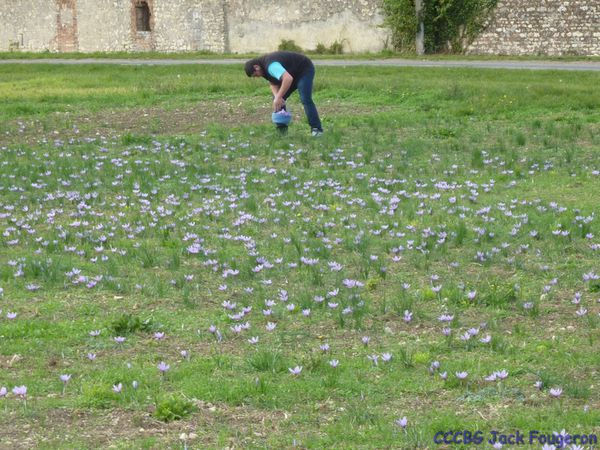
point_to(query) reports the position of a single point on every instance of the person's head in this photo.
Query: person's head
(253, 68)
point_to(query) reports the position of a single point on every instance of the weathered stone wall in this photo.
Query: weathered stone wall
(518, 27)
(260, 25)
(30, 24)
(187, 25)
(542, 27)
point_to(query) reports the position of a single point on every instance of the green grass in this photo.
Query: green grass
(142, 202)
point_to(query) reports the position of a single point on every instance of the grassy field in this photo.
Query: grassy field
(175, 274)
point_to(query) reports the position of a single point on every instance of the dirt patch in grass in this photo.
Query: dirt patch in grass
(156, 121)
(118, 428)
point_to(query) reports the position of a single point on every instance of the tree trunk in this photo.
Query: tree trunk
(420, 38)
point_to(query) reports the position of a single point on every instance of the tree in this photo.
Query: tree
(420, 37)
(434, 26)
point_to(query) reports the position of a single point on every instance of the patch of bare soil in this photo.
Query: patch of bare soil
(118, 428)
(154, 121)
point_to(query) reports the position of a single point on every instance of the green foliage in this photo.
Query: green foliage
(96, 396)
(406, 357)
(266, 360)
(401, 19)
(129, 324)
(450, 25)
(336, 48)
(173, 408)
(289, 45)
(321, 49)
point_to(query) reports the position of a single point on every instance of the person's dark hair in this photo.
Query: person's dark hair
(249, 66)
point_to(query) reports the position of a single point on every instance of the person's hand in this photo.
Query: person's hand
(278, 104)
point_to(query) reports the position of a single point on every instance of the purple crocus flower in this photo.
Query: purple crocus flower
(352, 283)
(117, 388)
(163, 367)
(502, 374)
(402, 422)
(334, 363)
(462, 375)
(20, 391)
(65, 378)
(295, 370)
(491, 377)
(334, 266)
(556, 392)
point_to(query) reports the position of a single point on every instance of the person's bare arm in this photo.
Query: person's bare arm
(280, 91)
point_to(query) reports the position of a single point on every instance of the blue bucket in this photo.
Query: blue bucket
(282, 117)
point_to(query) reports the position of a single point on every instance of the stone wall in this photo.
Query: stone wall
(29, 24)
(188, 25)
(260, 25)
(518, 27)
(542, 27)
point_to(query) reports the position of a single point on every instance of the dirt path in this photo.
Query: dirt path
(392, 62)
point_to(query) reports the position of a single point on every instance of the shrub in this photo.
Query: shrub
(289, 45)
(321, 49)
(400, 18)
(450, 25)
(336, 48)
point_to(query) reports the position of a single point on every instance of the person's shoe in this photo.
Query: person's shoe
(316, 132)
